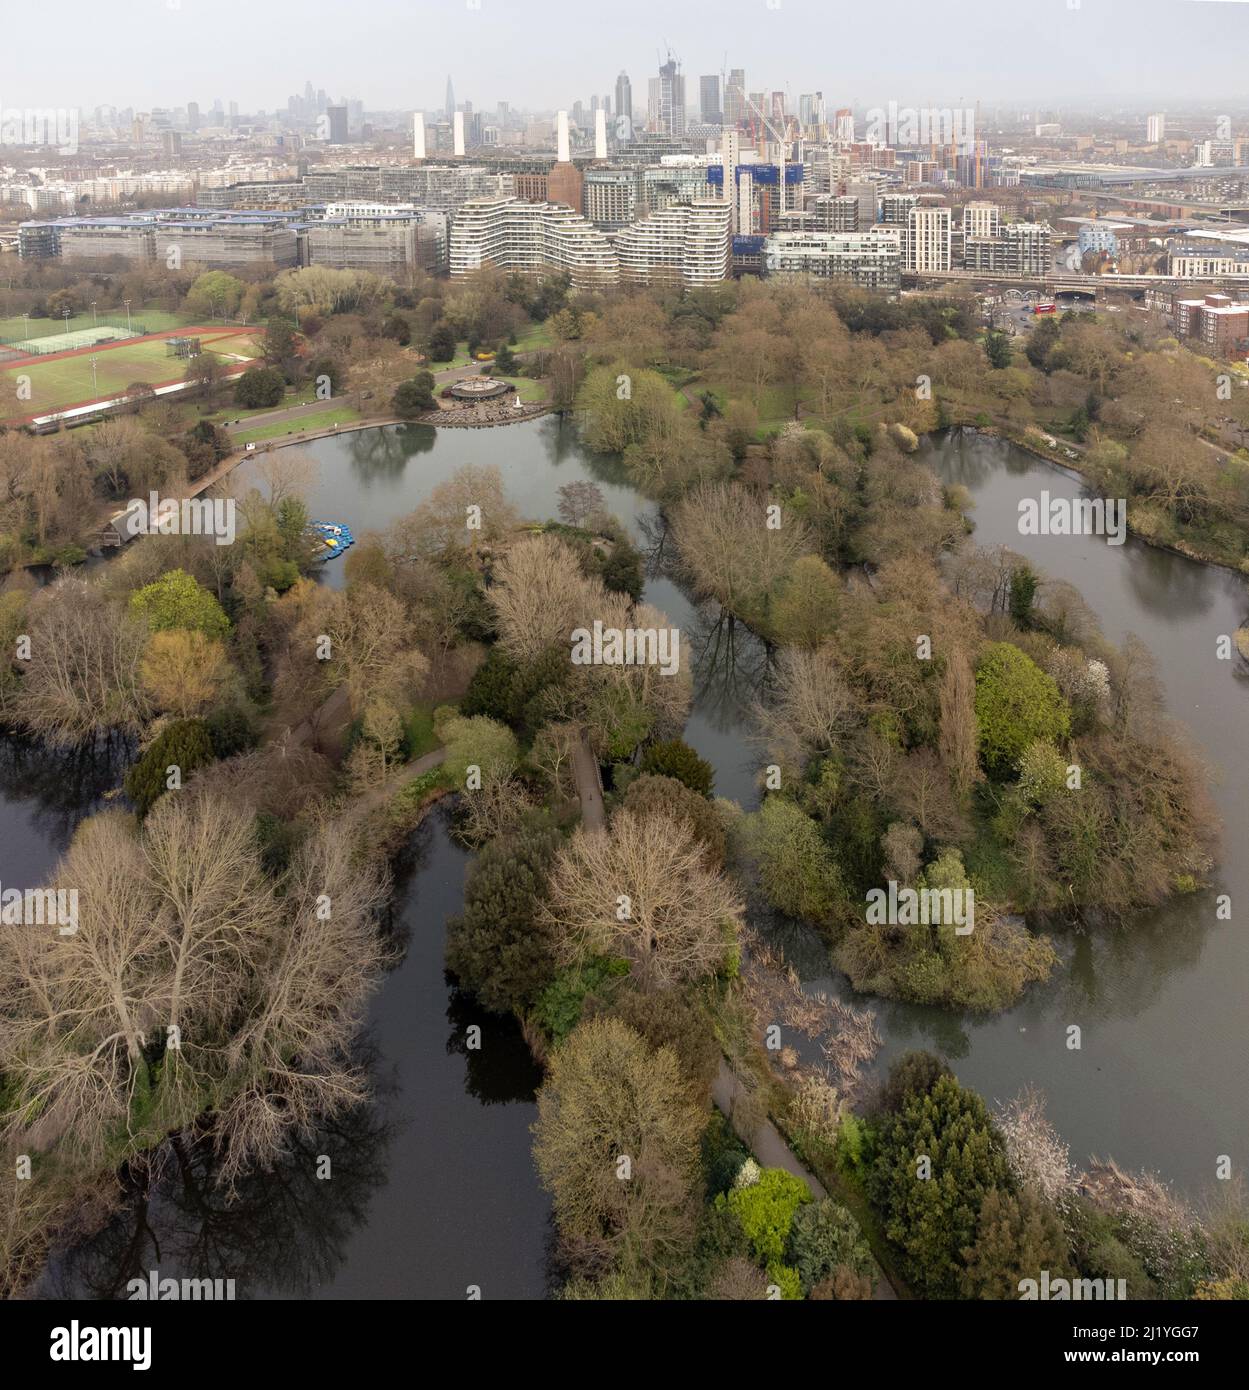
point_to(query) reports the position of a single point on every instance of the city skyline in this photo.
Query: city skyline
(1027, 51)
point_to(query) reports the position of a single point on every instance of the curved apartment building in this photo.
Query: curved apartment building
(689, 243)
(530, 238)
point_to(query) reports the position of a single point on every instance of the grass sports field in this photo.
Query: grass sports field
(154, 320)
(60, 382)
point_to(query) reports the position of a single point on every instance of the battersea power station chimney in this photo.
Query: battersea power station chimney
(564, 182)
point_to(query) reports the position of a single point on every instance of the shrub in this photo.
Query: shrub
(675, 758)
(497, 947)
(259, 388)
(1016, 704)
(177, 600)
(183, 744)
(825, 1237)
(766, 1210)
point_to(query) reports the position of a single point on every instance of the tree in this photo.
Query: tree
(675, 758)
(478, 742)
(83, 674)
(540, 597)
(824, 1239)
(498, 946)
(959, 737)
(1016, 703)
(938, 1158)
(667, 1019)
(810, 708)
(616, 1144)
(579, 501)
(658, 794)
(796, 868)
(259, 388)
(1016, 1236)
(731, 552)
(442, 342)
(183, 745)
(362, 639)
(767, 1210)
(643, 891)
(178, 600)
(414, 397)
(805, 611)
(185, 672)
(215, 295)
(1041, 342)
(279, 341)
(997, 349)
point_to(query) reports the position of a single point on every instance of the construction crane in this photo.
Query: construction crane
(761, 120)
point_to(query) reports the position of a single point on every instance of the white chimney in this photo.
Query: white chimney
(561, 138)
(600, 134)
(418, 135)
(459, 134)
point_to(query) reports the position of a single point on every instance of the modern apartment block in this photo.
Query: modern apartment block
(611, 197)
(382, 238)
(926, 246)
(444, 186)
(251, 241)
(1020, 248)
(688, 243)
(896, 208)
(176, 237)
(663, 184)
(871, 259)
(1217, 321)
(530, 238)
(92, 238)
(826, 212)
(1201, 261)
(982, 220)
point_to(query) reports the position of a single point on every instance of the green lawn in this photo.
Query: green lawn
(317, 420)
(530, 391)
(534, 337)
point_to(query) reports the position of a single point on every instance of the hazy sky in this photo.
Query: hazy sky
(549, 53)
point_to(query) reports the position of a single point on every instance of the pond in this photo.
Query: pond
(437, 1189)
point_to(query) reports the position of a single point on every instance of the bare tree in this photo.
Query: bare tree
(540, 597)
(83, 674)
(729, 549)
(645, 891)
(578, 501)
